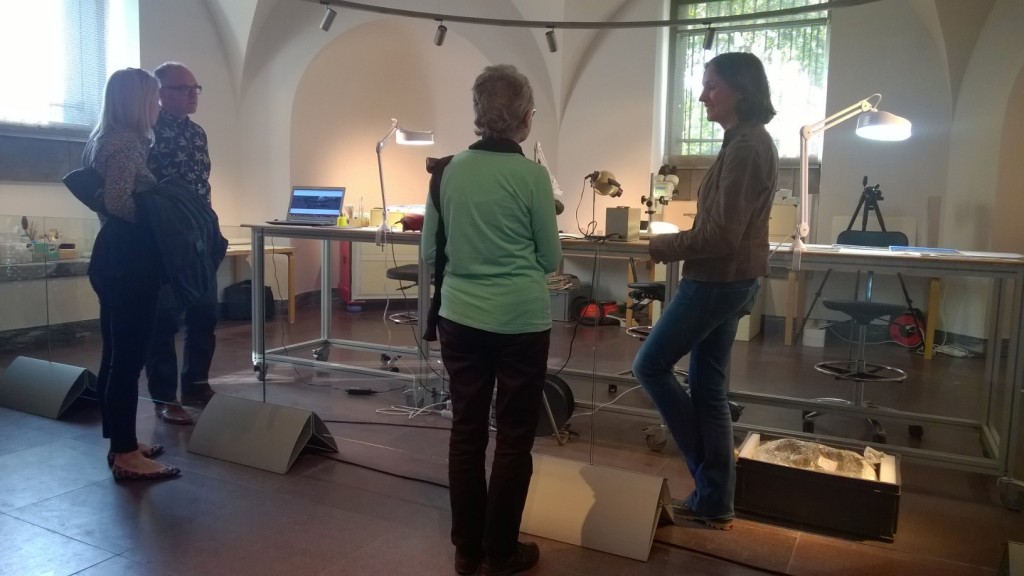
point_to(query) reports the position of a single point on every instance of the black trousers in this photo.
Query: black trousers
(125, 273)
(200, 342)
(486, 517)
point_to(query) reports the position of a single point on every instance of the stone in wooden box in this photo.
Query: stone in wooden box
(818, 485)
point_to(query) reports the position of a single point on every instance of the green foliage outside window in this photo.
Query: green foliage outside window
(793, 48)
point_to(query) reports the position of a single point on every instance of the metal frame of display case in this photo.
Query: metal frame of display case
(998, 429)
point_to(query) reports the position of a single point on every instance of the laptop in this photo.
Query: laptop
(314, 206)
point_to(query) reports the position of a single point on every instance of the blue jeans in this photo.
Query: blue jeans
(701, 321)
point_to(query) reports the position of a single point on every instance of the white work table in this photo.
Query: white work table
(998, 427)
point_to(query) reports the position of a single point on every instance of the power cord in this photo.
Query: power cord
(595, 410)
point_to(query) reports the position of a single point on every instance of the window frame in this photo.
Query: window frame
(676, 87)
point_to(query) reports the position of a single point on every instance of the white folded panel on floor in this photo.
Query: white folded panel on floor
(257, 434)
(597, 507)
(42, 387)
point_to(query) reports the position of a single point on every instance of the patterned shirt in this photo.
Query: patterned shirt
(120, 157)
(180, 150)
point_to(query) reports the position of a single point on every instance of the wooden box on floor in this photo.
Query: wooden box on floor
(867, 508)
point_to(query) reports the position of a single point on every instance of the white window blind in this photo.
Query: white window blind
(55, 57)
(793, 48)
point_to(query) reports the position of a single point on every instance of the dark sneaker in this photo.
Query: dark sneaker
(467, 564)
(198, 395)
(524, 558)
(682, 512)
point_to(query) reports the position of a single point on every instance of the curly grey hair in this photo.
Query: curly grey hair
(502, 97)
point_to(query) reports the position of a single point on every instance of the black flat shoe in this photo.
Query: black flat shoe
(126, 474)
(467, 564)
(525, 557)
(198, 395)
(153, 451)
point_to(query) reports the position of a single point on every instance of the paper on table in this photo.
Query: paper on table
(1013, 255)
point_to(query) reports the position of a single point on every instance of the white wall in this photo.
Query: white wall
(275, 96)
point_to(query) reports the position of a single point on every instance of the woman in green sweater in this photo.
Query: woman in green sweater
(498, 214)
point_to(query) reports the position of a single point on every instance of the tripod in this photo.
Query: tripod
(868, 203)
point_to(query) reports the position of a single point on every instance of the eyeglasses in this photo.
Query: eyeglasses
(185, 89)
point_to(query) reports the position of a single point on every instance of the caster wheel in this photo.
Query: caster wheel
(915, 431)
(656, 437)
(613, 389)
(654, 444)
(735, 411)
(322, 354)
(1011, 493)
(878, 438)
(808, 427)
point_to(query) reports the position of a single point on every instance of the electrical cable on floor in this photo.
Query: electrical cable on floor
(395, 424)
(609, 403)
(733, 561)
(397, 410)
(281, 321)
(382, 471)
(760, 569)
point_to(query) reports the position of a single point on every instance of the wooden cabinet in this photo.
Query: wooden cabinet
(363, 266)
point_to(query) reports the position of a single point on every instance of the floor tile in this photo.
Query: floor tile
(29, 549)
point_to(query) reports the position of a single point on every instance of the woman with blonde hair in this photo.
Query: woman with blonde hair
(125, 267)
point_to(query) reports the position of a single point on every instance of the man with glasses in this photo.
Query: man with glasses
(180, 150)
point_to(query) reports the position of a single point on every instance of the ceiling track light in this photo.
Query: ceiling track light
(328, 20)
(709, 38)
(552, 41)
(442, 31)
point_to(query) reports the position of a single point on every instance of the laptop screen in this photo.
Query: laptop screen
(316, 204)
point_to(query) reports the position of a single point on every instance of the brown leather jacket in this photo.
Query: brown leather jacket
(729, 238)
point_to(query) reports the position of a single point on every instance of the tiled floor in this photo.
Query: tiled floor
(378, 506)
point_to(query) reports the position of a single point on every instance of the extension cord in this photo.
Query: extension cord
(951, 351)
(446, 412)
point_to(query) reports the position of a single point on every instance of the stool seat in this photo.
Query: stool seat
(647, 290)
(863, 313)
(861, 371)
(405, 273)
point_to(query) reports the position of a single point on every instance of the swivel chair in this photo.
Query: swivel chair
(862, 313)
(409, 273)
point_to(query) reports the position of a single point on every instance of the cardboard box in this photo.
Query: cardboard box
(867, 508)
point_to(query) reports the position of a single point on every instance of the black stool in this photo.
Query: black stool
(856, 368)
(405, 273)
(643, 294)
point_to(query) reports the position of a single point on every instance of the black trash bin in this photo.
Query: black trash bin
(238, 301)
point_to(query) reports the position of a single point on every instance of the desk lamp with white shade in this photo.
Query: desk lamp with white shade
(872, 124)
(401, 136)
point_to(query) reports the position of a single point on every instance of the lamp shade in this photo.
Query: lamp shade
(414, 137)
(881, 125)
(606, 185)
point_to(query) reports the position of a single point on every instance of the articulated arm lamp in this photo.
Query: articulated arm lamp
(402, 136)
(871, 124)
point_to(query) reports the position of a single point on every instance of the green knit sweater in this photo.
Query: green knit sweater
(499, 216)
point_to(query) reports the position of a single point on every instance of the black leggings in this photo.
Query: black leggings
(125, 275)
